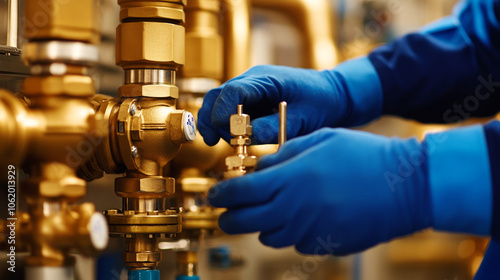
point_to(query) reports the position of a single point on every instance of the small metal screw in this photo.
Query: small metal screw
(134, 151)
(133, 109)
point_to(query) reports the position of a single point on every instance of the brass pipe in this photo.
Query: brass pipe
(315, 21)
(45, 134)
(187, 263)
(235, 16)
(282, 125)
(204, 57)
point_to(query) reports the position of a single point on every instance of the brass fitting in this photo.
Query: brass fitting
(142, 131)
(204, 56)
(46, 131)
(314, 19)
(62, 20)
(187, 263)
(171, 10)
(235, 16)
(135, 47)
(15, 134)
(70, 227)
(142, 231)
(241, 162)
(140, 136)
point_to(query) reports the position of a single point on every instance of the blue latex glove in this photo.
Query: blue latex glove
(334, 191)
(348, 95)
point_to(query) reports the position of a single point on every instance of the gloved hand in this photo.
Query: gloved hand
(346, 96)
(334, 191)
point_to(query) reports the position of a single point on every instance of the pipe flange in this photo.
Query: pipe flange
(129, 223)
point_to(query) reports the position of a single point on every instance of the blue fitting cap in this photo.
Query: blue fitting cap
(185, 277)
(143, 275)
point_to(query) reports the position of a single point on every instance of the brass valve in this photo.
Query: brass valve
(70, 226)
(241, 162)
(138, 135)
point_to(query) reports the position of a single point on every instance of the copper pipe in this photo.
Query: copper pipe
(315, 20)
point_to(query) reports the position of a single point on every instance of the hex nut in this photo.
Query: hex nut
(240, 125)
(244, 161)
(111, 212)
(234, 173)
(59, 20)
(241, 141)
(68, 187)
(169, 13)
(142, 256)
(250, 161)
(234, 161)
(134, 47)
(158, 91)
(74, 85)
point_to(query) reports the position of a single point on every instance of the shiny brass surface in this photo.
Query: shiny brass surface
(235, 16)
(59, 227)
(206, 219)
(282, 126)
(15, 135)
(204, 46)
(138, 135)
(46, 130)
(240, 162)
(62, 20)
(68, 85)
(146, 44)
(196, 158)
(187, 263)
(145, 187)
(141, 251)
(315, 20)
(142, 131)
(164, 222)
(170, 10)
(60, 51)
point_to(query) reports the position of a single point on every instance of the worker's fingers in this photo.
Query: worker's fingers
(266, 129)
(209, 133)
(252, 189)
(247, 91)
(264, 217)
(277, 239)
(292, 148)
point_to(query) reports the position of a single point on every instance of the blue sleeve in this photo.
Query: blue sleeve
(447, 72)
(460, 180)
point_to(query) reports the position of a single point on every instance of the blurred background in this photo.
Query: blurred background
(277, 38)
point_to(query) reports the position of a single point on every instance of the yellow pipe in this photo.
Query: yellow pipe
(235, 16)
(315, 20)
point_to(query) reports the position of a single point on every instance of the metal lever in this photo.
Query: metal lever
(282, 128)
